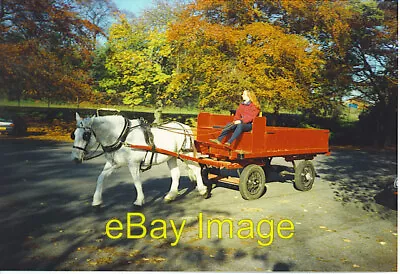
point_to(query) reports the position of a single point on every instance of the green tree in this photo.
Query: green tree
(136, 63)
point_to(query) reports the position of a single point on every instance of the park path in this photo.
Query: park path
(347, 222)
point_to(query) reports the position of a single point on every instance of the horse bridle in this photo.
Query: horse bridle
(87, 134)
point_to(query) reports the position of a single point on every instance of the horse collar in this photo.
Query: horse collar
(121, 139)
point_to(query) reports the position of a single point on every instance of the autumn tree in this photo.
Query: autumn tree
(360, 46)
(222, 49)
(44, 49)
(98, 13)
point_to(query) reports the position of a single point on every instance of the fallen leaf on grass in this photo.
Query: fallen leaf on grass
(134, 253)
(326, 229)
(347, 240)
(322, 259)
(152, 260)
(249, 209)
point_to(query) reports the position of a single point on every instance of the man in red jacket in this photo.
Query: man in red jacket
(243, 119)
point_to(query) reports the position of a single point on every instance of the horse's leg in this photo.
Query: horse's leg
(97, 196)
(197, 172)
(134, 169)
(175, 175)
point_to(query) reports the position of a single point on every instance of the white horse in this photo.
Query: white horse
(112, 132)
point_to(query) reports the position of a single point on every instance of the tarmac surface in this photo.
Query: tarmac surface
(346, 222)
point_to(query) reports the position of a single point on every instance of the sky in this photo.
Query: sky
(135, 6)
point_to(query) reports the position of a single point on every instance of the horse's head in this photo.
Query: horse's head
(84, 138)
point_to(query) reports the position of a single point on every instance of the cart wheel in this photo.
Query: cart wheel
(252, 182)
(304, 176)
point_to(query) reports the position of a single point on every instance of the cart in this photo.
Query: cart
(252, 152)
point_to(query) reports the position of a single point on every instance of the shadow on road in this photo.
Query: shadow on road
(362, 178)
(48, 222)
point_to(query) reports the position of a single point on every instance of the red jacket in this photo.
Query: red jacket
(246, 112)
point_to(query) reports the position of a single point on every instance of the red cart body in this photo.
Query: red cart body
(261, 142)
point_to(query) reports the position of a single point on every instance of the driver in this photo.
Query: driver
(243, 119)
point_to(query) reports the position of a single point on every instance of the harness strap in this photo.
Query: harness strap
(80, 148)
(149, 138)
(148, 135)
(121, 139)
(150, 142)
(153, 151)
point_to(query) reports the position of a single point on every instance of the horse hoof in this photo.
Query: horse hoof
(203, 192)
(137, 203)
(170, 197)
(137, 207)
(97, 204)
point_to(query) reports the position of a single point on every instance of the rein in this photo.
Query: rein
(175, 130)
(90, 157)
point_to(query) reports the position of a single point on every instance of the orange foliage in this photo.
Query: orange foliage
(225, 51)
(330, 16)
(46, 52)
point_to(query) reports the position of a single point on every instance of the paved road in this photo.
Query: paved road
(345, 223)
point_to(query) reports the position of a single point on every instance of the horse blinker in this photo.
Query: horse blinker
(86, 136)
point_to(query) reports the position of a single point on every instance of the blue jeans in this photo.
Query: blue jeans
(237, 131)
